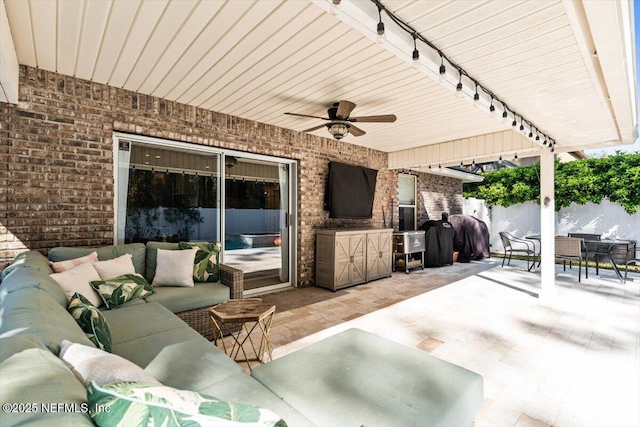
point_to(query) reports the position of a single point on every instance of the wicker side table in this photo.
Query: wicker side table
(239, 319)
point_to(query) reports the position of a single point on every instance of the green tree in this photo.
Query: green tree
(615, 177)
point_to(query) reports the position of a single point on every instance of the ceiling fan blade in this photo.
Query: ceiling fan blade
(388, 118)
(306, 115)
(344, 109)
(356, 131)
(314, 128)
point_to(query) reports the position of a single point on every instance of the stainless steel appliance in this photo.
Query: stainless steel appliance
(407, 247)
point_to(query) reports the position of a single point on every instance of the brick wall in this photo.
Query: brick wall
(56, 183)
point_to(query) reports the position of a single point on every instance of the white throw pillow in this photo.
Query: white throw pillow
(115, 267)
(175, 268)
(79, 280)
(60, 266)
(92, 364)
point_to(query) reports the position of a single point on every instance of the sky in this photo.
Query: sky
(635, 148)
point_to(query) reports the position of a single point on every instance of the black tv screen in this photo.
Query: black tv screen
(350, 191)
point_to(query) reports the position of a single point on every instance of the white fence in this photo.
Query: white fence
(607, 218)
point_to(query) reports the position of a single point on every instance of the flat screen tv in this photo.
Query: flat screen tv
(350, 191)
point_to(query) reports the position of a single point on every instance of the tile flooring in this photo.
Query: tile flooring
(573, 362)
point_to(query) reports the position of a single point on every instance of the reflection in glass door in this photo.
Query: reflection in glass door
(256, 218)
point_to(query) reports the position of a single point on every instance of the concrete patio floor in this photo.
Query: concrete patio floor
(575, 362)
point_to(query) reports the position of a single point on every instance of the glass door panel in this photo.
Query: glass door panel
(257, 221)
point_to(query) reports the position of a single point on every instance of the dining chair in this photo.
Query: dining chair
(572, 249)
(593, 249)
(515, 244)
(635, 260)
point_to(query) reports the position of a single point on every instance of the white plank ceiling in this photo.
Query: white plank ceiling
(260, 59)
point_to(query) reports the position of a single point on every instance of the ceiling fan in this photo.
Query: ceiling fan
(340, 124)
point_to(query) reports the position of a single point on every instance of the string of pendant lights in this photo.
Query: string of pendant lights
(519, 122)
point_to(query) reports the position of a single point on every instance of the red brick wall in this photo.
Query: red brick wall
(56, 183)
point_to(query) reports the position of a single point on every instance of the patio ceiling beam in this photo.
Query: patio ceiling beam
(605, 35)
(9, 75)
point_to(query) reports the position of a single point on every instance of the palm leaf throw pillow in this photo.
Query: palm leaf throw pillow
(91, 321)
(122, 289)
(143, 404)
(205, 266)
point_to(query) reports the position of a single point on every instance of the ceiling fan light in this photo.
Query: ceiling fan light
(338, 130)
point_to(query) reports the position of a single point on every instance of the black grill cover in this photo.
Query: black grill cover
(471, 237)
(439, 243)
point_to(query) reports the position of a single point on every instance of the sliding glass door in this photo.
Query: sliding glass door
(172, 192)
(256, 217)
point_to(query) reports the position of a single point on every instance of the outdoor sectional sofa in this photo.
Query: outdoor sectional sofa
(342, 380)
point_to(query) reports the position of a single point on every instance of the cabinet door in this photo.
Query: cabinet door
(379, 247)
(349, 260)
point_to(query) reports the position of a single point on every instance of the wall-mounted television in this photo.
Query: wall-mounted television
(350, 191)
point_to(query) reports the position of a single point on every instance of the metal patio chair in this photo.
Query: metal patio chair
(633, 261)
(593, 249)
(572, 249)
(513, 244)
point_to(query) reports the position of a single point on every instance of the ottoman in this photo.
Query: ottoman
(356, 378)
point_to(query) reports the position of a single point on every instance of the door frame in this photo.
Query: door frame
(221, 152)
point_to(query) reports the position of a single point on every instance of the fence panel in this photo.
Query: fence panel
(607, 218)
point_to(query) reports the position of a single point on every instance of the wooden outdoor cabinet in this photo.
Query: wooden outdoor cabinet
(350, 257)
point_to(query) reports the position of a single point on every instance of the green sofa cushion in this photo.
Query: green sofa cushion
(178, 299)
(137, 250)
(357, 378)
(241, 387)
(33, 277)
(36, 376)
(31, 259)
(32, 311)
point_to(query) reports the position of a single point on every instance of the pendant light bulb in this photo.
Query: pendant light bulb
(459, 92)
(415, 55)
(416, 59)
(492, 110)
(476, 100)
(381, 37)
(505, 117)
(334, 7)
(442, 71)
(500, 160)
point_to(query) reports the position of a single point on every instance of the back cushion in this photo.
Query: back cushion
(137, 250)
(33, 277)
(35, 376)
(32, 311)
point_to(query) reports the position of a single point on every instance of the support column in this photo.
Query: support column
(547, 225)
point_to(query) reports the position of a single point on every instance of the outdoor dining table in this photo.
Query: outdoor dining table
(601, 247)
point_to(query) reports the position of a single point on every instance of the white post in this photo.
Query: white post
(547, 226)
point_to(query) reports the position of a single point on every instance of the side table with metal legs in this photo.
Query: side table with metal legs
(239, 319)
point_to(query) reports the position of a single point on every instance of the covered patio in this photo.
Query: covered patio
(575, 363)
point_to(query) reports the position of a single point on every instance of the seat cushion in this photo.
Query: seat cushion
(182, 299)
(356, 378)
